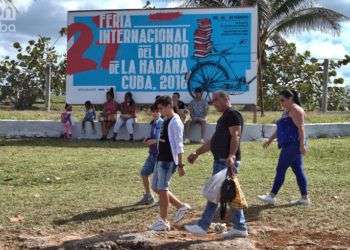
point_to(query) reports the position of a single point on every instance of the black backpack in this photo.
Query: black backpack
(227, 194)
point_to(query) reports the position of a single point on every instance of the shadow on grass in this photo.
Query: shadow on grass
(96, 215)
(39, 142)
(252, 213)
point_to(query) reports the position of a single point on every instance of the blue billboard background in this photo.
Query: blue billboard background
(224, 65)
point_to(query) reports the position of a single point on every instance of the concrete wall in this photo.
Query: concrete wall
(317, 130)
(53, 129)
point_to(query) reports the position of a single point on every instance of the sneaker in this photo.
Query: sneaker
(187, 141)
(181, 212)
(301, 201)
(195, 229)
(147, 199)
(160, 225)
(235, 233)
(267, 198)
(202, 141)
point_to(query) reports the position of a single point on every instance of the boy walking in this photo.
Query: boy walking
(152, 142)
(169, 160)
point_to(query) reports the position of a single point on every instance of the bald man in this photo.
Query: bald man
(225, 147)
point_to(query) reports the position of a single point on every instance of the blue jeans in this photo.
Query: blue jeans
(238, 219)
(290, 156)
(149, 164)
(162, 174)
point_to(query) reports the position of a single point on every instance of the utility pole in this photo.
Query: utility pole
(48, 87)
(324, 105)
(48, 74)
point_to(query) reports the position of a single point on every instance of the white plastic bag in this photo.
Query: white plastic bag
(211, 190)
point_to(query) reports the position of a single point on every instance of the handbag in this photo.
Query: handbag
(211, 190)
(239, 202)
(227, 195)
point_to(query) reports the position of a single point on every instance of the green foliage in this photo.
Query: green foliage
(285, 68)
(23, 78)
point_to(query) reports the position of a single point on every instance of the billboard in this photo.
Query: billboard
(154, 52)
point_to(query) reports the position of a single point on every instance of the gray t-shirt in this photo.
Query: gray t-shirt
(198, 108)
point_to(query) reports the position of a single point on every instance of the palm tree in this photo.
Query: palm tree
(10, 3)
(278, 18)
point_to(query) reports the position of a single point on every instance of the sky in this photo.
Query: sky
(46, 17)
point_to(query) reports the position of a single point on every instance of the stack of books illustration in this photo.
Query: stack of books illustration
(202, 38)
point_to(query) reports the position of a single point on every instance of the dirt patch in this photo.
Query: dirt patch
(261, 237)
(269, 237)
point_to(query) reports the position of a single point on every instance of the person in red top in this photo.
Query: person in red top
(107, 117)
(127, 117)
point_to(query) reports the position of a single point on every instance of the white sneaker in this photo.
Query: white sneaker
(267, 198)
(160, 225)
(235, 233)
(195, 229)
(301, 201)
(202, 141)
(187, 141)
(181, 212)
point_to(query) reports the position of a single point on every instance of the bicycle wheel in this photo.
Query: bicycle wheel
(209, 77)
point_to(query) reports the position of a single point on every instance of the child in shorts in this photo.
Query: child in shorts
(169, 161)
(148, 167)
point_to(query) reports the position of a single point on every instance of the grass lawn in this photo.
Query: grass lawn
(52, 187)
(38, 113)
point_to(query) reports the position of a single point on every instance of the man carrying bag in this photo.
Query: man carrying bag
(225, 147)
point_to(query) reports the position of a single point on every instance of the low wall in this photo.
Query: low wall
(316, 130)
(53, 129)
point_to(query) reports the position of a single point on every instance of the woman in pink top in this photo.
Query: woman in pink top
(107, 117)
(127, 117)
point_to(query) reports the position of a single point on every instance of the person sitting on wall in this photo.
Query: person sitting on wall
(107, 117)
(198, 114)
(128, 116)
(90, 116)
(179, 106)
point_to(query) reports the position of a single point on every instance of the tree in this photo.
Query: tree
(10, 3)
(277, 18)
(285, 68)
(23, 78)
